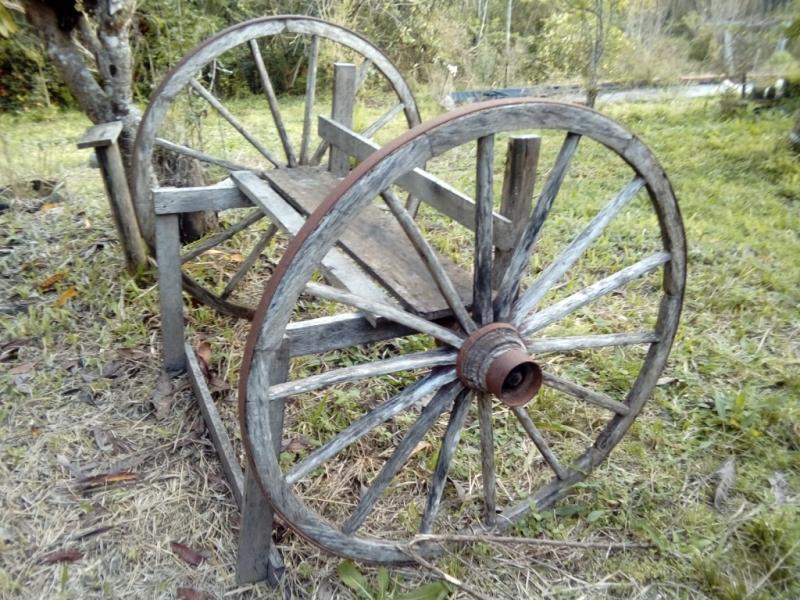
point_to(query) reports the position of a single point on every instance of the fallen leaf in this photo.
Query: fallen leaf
(103, 479)
(36, 431)
(102, 439)
(186, 554)
(236, 257)
(215, 384)
(666, 380)
(133, 354)
(48, 206)
(113, 369)
(296, 445)
(10, 350)
(66, 296)
(90, 533)
(163, 396)
(67, 464)
(725, 476)
(185, 593)
(49, 282)
(22, 368)
(204, 358)
(58, 556)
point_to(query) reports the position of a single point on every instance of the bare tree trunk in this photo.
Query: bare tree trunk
(596, 56)
(794, 136)
(509, 10)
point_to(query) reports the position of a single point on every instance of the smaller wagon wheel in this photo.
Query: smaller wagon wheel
(471, 422)
(187, 122)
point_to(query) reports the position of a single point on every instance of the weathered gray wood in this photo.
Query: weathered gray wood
(386, 311)
(519, 180)
(251, 259)
(122, 212)
(197, 154)
(556, 270)
(585, 342)
(101, 135)
(488, 471)
(233, 121)
(573, 302)
(311, 90)
(431, 260)
(221, 196)
(224, 307)
(430, 189)
(538, 439)
(520, 259)
(378, 243)
(257, 557)
(446, 452)
(272, 100)
(382, 121)
(337, 266)
(484, 203)
(430, 414)
(380, 414)
(363, 71)
(573, 389)
(170, 299)
(324, 334)
(216, 429)
(344, 97)
(222, 236)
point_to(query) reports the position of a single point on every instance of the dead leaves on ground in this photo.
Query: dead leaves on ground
(59, 556)
(188, 555)
(186, 593)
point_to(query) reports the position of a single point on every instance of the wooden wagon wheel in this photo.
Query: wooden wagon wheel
(228, 53)
(494, 356)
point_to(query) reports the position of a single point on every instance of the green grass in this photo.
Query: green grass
(733, 387)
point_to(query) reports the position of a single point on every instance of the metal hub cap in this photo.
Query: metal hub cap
(494, 360)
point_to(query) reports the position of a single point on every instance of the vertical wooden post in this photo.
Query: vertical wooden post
(258, 559)
(103, 138)
(344, 93)
(522, 159)
(168, 249)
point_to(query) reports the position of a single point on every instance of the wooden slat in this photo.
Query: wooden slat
(100, 135)
(323, 334)
(482, 266)
(216, 429)
(222, 196)
(251, 259)
(378, 243)
(168, 247)
(222, 236)
(522, 159)
(344, 96)
(257, 557)
(430, 189)
(337, 266)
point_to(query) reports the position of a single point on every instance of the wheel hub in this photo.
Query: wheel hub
(494, 360)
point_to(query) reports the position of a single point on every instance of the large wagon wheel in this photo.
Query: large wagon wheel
(235, 56)
(615, 323)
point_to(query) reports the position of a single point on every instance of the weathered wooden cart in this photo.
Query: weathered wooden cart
(446, 294)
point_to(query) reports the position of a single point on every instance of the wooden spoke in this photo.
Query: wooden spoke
(266, 84)
(441, 401)
(432, 262)
(583, 342)
(234, 122)
(201, 156)
(385, 310)
(251, 259)
(319, 153)
(363, 71)
(311, 90)
(562, 385)
(407, 398)
(522, 254)
(538, 439)
(419, 360)
(534, 294)
(226, 234)
(381, 121)
(487, 458)
(484, 203)
(575, 301)
(446, 452)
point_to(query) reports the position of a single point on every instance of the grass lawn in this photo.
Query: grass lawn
(79, 364)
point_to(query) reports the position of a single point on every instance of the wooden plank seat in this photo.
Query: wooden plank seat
(376, 241)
